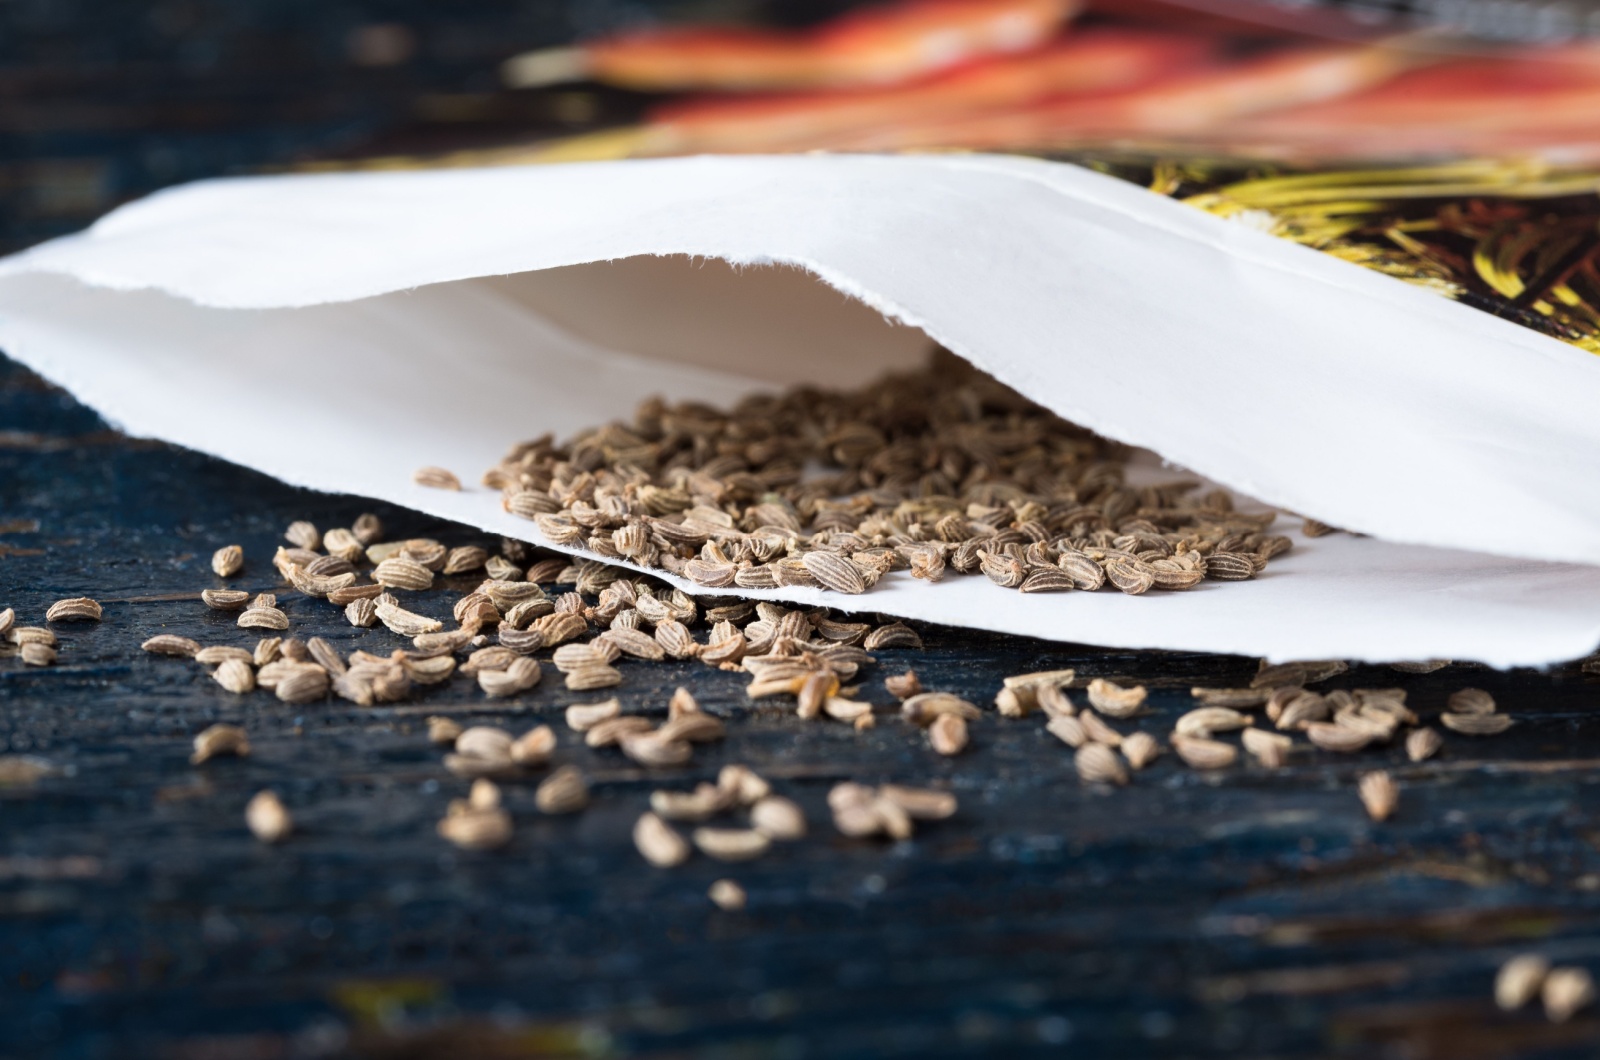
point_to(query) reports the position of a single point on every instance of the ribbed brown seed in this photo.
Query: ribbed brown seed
(778, 818)
(236, 676)
(1566, 992)
(1206, 721)
(304, 535)
(1067, 729)
(1238, 698)
(581, 717)
(442, 731)
(894, 635)
(306, 683)
(361, 614)
(1140, 749)
(224, 599)
(1476, 724)
(903, 686)
(436, 478)
(1130, 575)
(263, 618)
(1519, 981)
(925, 707)
(649, 749)
(227, 561)
(1471, 701)
(1095, 728)
(74, 609)
(397, 572)
(636, 643)
(405, 623)
(464, 559)
(36, 653)
(1338, 738)
(1423, 744)
(835, 572)
(534, 747)
(171, 644)
(1098, 764)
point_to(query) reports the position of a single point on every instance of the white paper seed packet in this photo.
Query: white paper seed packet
(339, 331)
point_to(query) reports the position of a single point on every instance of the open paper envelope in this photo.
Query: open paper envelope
(339, 331)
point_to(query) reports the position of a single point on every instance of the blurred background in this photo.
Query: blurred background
(1454, 144)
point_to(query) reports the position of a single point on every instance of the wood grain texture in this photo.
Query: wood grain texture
(1240, 913)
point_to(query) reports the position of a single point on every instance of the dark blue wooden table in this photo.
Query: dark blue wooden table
(1246, 913)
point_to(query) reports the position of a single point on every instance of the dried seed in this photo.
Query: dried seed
(520, 676)
(1566, 992)
(1067, 729)
(1130, 575)
(74, 609)
(923, 804)
(1471, 701)
(742, 785)
(267, 818)
(1423, 744)
(731, 844)
(1202, 753)
(227, 561)
(267, 650)
(398, 572)
(636, 643)
(218, 654)
(849, 710)
(727, 895)
(32, 635)
(1271, 749)
(351, 593)
(705, 801)
(484, 742)
(649, 749)
(778, 818)
(1096, 729)
(1140, 749)
(894, 635)
(303, 684)
(1476, 724)
(903, 686)
(693, 728)
(1423, 666)
(1238, 698)
(442, 731)
(35, 653)
(581, 717)
(236, 676)
(436, 478)
(1340, 738)
(362, 614)
(589, 678)
(564, 791)
(1519, 981)
(948, 735)
(1379, 794)
(1098, 764)
(224, 599)
(263, 618)
(171, 644)
(534, 747)
(609, 733)
(924, 707)
(1113, 700)
(218, 740)
(1206, 721)
(367, 529)
(303, 535)
(403, 622)
(8, 618)
(660, 845)
(477, 829)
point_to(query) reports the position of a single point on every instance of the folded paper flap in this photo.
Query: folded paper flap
(1289, 376)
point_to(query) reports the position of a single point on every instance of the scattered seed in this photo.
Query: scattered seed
(1423, 744)
(660, 845)
(1471, 701)
(1476, 724)
(903, 686)
(1098, 764)
(236, 676)
(727, 895)
(581, 717)
(267, 817)
(1067, 729)
(778, 818)
(1519, 981)
(171, 644)
(1115, 701)
(224, 599)
(1566, 992)
(436, 478)
(227, 561)
(1425, 666)
(731, 844)
(1379, 794)
(74, 609)
(924, 707)
(948, 735)
(1206, 721)
(35, 653)
(743, 785)
(1271, 749)
(472, 829)
(534, 747)
(305, 683)
(442, 731)
(403, 622)
(304, 535)
(219, 740)
(263, 618)
(564, 791)
(1202, 753)
(1140, 749)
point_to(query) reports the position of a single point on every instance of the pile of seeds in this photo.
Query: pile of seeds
(937, 471)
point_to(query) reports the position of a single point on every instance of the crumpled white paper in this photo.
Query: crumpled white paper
(339, 331)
